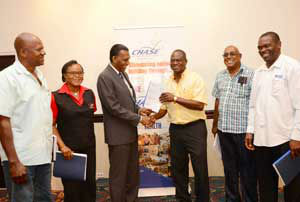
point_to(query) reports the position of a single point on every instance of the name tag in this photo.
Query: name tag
(91, 106)
(242, 80)
(278, 76)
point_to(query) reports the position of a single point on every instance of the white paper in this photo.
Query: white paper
(217, 146)
(54, 147)
(152, 96)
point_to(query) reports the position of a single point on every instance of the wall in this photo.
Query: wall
(82, 30)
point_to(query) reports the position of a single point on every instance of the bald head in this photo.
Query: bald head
(232, 47)
(30, 50)
(232, 58)
(24, 40)
(181, 52)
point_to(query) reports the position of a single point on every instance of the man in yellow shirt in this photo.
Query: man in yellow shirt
(184, 101)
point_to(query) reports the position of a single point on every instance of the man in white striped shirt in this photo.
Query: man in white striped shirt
(274, 117)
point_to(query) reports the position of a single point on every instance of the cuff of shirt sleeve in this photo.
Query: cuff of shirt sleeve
(5, 113)
(250, 129)
(204, 101)
(295, 135)
(163, 107)
(215, 96)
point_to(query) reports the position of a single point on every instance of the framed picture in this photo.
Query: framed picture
(6, 60)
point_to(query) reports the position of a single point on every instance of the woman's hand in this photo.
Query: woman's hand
(249, 141)
(67, 152)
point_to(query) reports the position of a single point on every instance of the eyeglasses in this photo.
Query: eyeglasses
(75, 73)
(225, 55)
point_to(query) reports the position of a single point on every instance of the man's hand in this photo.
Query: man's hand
(145, 111)
(295, 148)
(249, 141)
(146, 121)
(67, 152)
(18, 172)
(214, 130)
(158, 115)
(166, 97)
(152, 118)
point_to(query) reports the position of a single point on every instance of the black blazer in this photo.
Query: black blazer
(119, 108)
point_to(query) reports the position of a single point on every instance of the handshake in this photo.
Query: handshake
(147, 117)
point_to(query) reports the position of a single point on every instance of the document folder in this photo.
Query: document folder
(74, 169)
(287, 168)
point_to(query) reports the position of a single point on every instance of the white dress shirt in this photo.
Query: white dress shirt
(27, 104)
(274, 109)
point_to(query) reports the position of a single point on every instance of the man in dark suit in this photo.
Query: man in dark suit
(121, 117)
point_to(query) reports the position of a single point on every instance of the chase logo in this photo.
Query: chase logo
(146, 51)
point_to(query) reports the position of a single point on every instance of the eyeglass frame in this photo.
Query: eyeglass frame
(233, 54)
(75, 73)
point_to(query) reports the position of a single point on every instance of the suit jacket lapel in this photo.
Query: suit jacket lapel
(117, 77)
(129, 83)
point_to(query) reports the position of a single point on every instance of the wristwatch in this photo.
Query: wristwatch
(175, 98)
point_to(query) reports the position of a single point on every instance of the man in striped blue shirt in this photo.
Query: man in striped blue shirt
(232, 92)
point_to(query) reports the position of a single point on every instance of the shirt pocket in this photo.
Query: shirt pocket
(240, 90)
(27, 89)
(277, 86)
(187, 93)
(26, 93)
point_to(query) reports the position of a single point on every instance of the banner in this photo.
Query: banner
(150, 50)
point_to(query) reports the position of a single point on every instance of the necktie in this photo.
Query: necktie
(120, 75)
(128, 85)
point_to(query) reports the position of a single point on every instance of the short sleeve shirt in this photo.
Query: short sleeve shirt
(234, 95)
(190, 86)
(27, 104)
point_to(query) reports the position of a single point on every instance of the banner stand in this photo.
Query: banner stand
(150, 49)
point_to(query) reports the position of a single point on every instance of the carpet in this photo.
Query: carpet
(216, 192)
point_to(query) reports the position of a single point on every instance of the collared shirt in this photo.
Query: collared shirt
(27, 104)
(233, 94)
(79, 101)
(122, 77)
(274, 109)
(190, 86)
